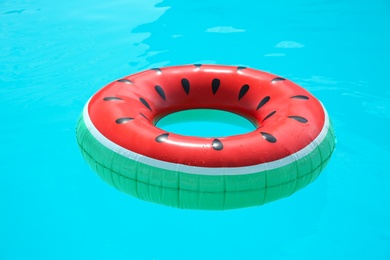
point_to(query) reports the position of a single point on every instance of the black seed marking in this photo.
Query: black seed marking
(127, 81)
(146, 104)
(198, 65)
(240, 68)
(270, 138)
(144, 116)
(162, 138)
(160, 91)
(111, 98)
(269, 115)
(299, 119)
(243, 91)
(157, 69)
(262, 102)
(215, 85)
(300, 97)
(277, 79)
(123, 120)
(217, 145)
(186, 85)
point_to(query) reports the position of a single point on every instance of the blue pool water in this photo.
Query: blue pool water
(55, 54)
(205, 123)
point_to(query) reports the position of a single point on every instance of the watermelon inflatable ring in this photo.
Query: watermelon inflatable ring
(291, 145)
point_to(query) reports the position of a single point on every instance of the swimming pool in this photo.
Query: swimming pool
(55, 55)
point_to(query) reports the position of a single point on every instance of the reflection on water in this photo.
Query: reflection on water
(218, 32)
(284, 37)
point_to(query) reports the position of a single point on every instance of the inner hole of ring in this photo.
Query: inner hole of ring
(205, 123)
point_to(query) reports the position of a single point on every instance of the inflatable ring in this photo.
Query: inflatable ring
(290, 146)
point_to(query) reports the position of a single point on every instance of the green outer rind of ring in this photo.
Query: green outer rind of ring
(195, 191)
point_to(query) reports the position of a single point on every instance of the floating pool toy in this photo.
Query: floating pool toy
(292, 142)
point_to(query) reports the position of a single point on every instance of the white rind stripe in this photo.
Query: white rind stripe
(204, 170)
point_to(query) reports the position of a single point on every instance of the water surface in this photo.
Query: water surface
(55, 55)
